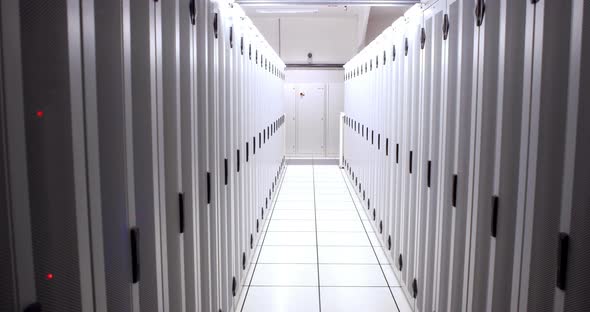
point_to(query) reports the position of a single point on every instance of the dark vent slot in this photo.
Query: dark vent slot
(410, 163)
(397, 153)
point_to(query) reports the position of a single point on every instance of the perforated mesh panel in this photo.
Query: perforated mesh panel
(49, 153)
(578, 275)
(142, 141)
(7, 291)
(111, 123)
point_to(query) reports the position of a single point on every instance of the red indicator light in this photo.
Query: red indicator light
(49, 276)
(39, 113)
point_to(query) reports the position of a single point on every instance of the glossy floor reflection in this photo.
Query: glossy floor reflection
(319, 253)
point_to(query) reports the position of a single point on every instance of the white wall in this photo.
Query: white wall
(331, 40)
(314, 76)
(317, 122)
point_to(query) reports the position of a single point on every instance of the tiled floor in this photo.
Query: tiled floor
(318, 253)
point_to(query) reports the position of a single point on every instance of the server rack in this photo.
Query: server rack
(129, 177)
(481, 214)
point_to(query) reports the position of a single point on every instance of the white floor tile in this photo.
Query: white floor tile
(306, 205)
(368, 225)
(285, 275)
(343, 239)
(346, 214)
(401, 300)
(292, 226)
(351, 275)
(389, 275)
(288, 254)
(293, 214)
(355, 299)
(383, 259)
(374, 240)
(290, 239)
(340, 226)
(282, 299)
(331, 205)
(350, 255)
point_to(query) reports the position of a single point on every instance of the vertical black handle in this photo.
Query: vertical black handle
(225, 172)
(446, 26)
(247, 151)
(454, 197)
(208, 187)
(480, 10)
(192, 11)
(410, 167)
(135, 255)
(562, 257)
(181, 211)
(495, 203)
(428, 172)
(215, 25)
(238, 161)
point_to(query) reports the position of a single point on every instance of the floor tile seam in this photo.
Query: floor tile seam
(315, 213)
(274, 203)
(378, 261)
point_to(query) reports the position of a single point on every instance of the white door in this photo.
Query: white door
(310, 119)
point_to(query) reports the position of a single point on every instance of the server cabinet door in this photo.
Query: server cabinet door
(16, 256)
(170, 81)
(146, 154)
(541, 191)
(106, 73)
(189, 218)
(428, 164)
(461, 171)
(452, 72)
(577, 172)
(54, 107)
(498, 103)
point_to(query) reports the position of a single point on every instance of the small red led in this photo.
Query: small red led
(39, 113)
(49, 276)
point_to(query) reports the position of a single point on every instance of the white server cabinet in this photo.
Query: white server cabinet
(549, 235)
(428, 163)
(499, 55)
(148, 173)
(486, 217)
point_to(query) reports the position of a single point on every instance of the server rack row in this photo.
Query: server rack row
(465, 137)
(142, 143)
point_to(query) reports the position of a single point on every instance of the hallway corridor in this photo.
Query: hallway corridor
(319, 252)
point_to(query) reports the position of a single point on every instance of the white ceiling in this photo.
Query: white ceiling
(303, 11)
